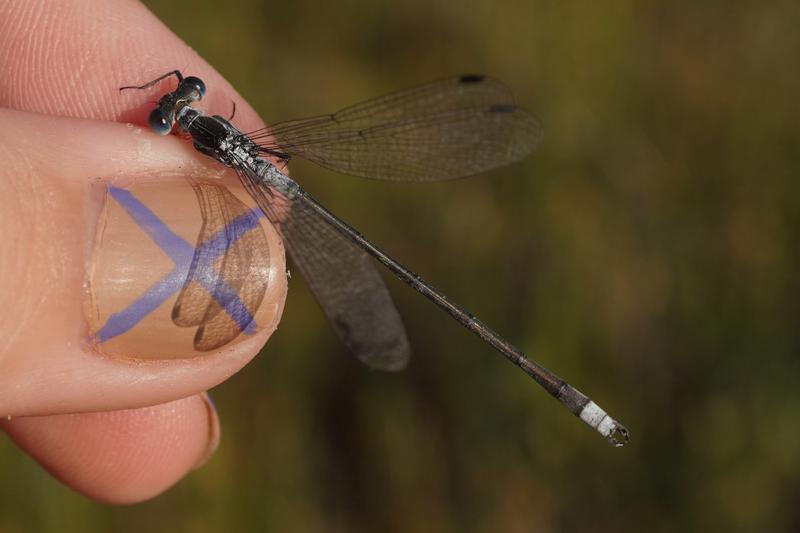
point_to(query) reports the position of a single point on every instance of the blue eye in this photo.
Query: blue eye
(196, 83)
(159, 123)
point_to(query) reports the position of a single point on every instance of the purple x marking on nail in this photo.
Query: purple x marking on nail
(181, 253)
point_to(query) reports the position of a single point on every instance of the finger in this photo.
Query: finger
(70, 58)
(55, 290)
(121, 456)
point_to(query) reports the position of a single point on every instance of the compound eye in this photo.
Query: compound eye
(197, 84)
(159, 123)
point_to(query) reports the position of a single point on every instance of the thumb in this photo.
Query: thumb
(76, 257)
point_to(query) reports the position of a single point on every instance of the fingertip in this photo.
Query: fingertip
(121, 457)
(51, 360)
(71, 58)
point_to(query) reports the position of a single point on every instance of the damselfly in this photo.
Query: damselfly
(446, 129)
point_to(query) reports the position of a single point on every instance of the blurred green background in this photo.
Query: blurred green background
(648, 253)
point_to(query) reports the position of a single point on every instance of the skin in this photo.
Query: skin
(117, 430)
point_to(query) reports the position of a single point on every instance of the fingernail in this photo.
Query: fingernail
(154, 235)
(214, 432)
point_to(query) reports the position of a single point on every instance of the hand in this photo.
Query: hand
(123, 424)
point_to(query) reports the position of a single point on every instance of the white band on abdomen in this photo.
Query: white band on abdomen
(593, 415)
